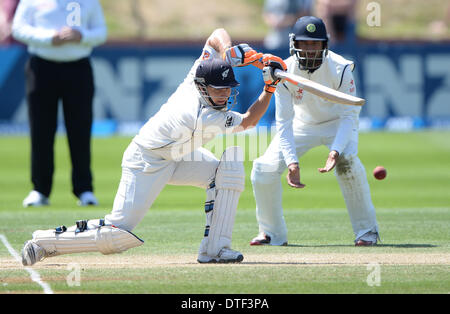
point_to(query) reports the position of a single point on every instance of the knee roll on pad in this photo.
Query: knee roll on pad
(230, 173)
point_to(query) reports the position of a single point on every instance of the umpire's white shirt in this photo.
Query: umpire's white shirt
(186, 122)
(37, 21)
(298, 111)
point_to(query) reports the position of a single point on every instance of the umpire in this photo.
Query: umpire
(60, 35)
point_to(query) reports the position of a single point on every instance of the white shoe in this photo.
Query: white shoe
(32, 253)
(225, 256)
(35, 199)
(87, 198)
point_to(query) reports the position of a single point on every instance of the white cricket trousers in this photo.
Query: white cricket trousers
(144, 175)
(349, 172)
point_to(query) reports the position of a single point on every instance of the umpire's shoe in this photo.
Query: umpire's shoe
(87, 199)
(35, 199)
(225, 256)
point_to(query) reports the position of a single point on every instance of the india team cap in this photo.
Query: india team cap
(310, 28)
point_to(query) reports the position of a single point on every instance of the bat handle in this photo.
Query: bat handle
(279, 73)
(260, 65)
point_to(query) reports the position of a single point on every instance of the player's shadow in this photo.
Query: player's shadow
(297, 263)
(319, 245)
(381, 245)
(407, 245)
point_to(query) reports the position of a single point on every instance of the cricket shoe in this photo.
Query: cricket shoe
(87, 199)
(263, 239)
(35, 199)
(225, 256)
(368, 239)
(32, 253)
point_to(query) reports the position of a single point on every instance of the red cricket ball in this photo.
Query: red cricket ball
(379, 172)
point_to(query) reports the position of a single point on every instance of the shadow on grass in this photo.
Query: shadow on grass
(403, 246)
(298, 263)
(408, 246)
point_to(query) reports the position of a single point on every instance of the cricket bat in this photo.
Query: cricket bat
(316, 88)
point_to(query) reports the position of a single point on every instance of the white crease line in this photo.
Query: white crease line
(34, 274)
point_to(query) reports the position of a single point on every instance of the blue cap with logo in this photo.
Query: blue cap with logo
(216, 73)
(310, 28)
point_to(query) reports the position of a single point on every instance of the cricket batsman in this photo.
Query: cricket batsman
(168, 150)
(305, 121)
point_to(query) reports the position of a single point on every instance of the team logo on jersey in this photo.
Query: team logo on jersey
(229, 121)
(311, 28)
(225, 74)
(352, 88)
(299, 94)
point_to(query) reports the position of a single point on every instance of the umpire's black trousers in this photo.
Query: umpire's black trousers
(46, 83)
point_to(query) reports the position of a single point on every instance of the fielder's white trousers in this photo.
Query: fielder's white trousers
(144, 175)
(349, 172)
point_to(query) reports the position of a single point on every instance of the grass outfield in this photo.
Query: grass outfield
(413, 211)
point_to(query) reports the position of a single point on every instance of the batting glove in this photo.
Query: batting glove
(241, 55)
(271, 63)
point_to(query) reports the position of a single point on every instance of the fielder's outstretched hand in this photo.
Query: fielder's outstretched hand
(293, 176)
(331, 162)
(241, 55)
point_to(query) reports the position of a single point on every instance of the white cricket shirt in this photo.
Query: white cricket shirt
(298, 111)
(37, 21)
(186, 122)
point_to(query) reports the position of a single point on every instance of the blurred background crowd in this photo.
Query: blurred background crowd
(401, 49)
(268, 20)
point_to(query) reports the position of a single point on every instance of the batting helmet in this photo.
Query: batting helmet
(218, 74)
(313, 29)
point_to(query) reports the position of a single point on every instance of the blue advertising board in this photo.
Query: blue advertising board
(406, 85)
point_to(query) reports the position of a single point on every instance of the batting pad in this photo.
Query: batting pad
(104, 239)
(352, 180)
(230, 182)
